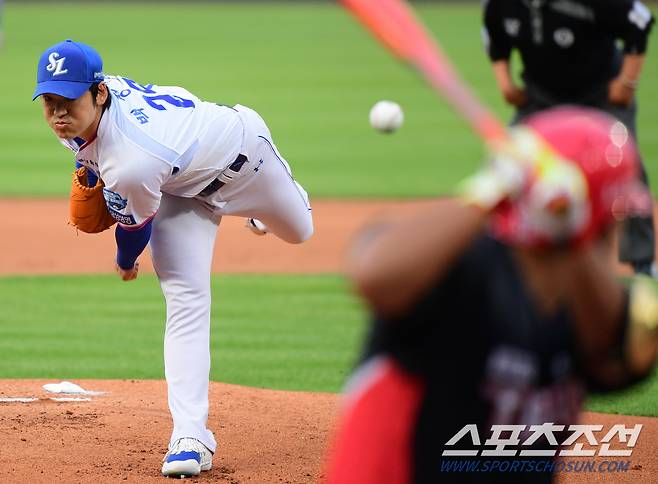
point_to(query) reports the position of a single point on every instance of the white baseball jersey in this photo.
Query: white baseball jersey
(154, 140)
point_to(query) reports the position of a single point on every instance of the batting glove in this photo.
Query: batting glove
(508, 172)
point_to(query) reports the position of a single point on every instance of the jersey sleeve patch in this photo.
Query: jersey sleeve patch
(114, 200)
(115, 203)
(121, 218)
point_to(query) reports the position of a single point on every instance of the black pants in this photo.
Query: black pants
(636, 240)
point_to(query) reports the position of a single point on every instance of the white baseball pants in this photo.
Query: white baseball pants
(182, 242)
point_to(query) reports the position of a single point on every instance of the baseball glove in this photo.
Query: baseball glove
(88, 208)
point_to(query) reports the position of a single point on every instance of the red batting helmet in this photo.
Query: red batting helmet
(607, 182)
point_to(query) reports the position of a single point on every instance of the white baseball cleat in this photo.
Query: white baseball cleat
(256, 226)
(187, 457)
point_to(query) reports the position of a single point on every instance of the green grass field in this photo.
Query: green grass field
(313, 74)
(298, 333)
(284, 332)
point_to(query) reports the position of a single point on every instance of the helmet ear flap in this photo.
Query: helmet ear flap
(557, 206)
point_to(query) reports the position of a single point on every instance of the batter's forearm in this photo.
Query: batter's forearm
(597, 297)
(393, 265)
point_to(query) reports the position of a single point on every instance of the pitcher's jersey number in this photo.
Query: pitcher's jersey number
(155, 100)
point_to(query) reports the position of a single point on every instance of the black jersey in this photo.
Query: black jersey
(487, 356)
(568, 47)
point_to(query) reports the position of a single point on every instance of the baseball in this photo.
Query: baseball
(386, 116)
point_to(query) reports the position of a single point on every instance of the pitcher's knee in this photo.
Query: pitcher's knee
(307, 234)
(300, 234)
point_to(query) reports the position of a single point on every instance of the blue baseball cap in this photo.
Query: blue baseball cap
(68, 69)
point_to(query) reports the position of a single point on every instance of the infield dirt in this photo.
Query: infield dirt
(264, 436)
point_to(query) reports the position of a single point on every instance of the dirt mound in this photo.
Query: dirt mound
(264, 436)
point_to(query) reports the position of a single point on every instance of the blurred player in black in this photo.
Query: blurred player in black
(570, 55)
(500, 307)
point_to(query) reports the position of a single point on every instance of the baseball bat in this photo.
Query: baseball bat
(395, 24)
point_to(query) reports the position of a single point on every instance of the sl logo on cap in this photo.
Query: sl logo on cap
(56, 64)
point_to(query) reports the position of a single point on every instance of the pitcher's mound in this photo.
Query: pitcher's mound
(264, 436)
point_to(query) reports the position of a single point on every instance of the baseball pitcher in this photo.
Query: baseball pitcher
(167, 166)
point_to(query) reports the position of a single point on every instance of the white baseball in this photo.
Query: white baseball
(386, 116)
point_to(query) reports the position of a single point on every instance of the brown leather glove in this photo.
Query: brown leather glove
(88, 209)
